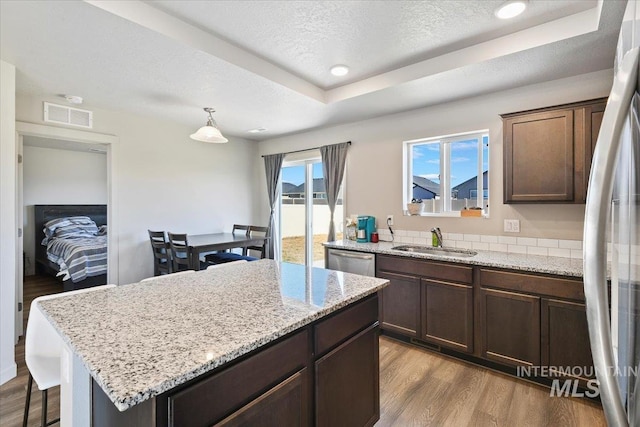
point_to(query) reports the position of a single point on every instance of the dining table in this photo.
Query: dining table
(202, 243)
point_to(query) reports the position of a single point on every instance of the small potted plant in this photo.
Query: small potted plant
(415, 207)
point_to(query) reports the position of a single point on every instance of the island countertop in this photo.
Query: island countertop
(140, 340)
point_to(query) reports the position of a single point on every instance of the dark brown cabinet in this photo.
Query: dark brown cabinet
(347, 381)
(510, 325)
(448, 314)
(547, 152)
(432, 301)
(283, 405)
(400, 304)
(565, 337)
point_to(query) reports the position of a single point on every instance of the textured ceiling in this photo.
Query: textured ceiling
(264, 64)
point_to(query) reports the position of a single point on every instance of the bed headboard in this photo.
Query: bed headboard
(44, 213)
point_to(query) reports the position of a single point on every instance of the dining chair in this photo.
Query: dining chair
(161, 253)
(178, 273)
(255, 231)
(180, 254)
(237, 228)
(42, 352)
(227, 256)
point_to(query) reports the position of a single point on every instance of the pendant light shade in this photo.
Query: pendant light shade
(209, 132)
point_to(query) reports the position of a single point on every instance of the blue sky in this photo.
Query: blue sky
(464, 161)
(295, 174)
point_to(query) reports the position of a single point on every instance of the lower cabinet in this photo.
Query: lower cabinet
(400, 305)
(565, 338)
(432, 301)
(510, 325)
(283, 405)
(509, 317)
(448, 314)
(347, 382)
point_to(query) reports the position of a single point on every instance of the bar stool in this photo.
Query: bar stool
(42, 350)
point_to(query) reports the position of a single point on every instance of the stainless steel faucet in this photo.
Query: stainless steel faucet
(436, 231)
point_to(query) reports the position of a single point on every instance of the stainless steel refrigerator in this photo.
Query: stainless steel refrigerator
(612, 237)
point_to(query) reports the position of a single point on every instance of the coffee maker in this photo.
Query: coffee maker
(366, 226)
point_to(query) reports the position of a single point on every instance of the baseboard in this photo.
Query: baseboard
(8, 373)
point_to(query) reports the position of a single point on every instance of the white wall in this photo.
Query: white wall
(374, 168)
(54, 176)
(8, 223)
(166, 181)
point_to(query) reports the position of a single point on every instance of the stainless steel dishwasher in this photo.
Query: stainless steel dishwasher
(352, 262)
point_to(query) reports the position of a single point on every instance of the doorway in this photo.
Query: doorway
(304, 212)
(73, 140)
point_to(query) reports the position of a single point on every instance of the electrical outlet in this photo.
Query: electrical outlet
(512, 225)
(389, 219)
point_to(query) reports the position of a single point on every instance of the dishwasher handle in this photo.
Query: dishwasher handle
(350, 255)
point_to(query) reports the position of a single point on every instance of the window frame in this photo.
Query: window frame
(445, 142)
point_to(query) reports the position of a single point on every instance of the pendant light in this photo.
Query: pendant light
(210, 131)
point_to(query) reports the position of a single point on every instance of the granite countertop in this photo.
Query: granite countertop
(140, 340)
(530, 263)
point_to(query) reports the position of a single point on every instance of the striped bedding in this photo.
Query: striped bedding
(77, 246)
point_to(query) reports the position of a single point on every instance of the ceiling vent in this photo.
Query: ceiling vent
(64, 115)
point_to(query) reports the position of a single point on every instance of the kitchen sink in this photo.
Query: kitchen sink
(435, 251)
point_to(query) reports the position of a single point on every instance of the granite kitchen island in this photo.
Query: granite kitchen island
(279, 343)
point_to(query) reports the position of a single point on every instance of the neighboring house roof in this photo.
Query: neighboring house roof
(426, 184)
(464, 188)
(318, 187)
(288, 187)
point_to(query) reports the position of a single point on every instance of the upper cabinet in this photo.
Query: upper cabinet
(547, 152)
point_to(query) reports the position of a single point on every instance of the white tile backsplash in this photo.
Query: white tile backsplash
(527, 241)
(487, 242)
(548, 243)
(564, 253)
(570, 244)
(489, 239)
(480, 246)
(517, 249)
(507, 240)
(534, 250)
(498, 247)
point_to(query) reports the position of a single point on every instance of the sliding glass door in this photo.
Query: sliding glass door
(304, 213)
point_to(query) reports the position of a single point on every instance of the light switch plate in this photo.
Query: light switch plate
(511, 225)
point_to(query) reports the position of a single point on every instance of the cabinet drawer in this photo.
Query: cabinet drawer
(533, 284)
(210, 400)
(428, 269)
(283, 405)
(349, 321)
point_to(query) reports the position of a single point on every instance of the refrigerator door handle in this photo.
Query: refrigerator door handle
(595, 244)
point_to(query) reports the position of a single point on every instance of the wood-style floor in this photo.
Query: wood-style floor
(422, 388)
(417, 388)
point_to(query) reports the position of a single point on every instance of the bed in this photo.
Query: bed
(75, 249)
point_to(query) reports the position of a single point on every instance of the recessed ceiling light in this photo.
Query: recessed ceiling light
(258, 130)
(339, 70)
(511, 9)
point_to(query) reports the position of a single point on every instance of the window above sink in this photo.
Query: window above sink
(447, 174)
